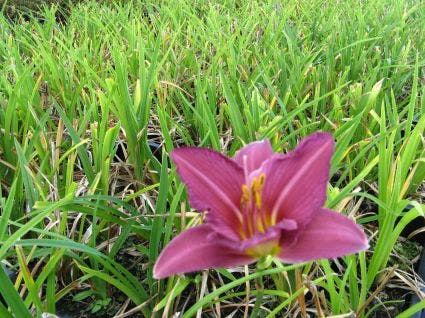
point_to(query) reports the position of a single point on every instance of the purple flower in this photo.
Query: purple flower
(259, 203)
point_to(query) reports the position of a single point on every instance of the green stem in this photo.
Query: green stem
(262, 264)
(259, 285)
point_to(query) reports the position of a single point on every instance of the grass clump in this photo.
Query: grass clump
(87, 204)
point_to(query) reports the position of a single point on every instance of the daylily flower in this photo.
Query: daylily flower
(259, 203)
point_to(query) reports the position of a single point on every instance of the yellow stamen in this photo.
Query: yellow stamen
(250, 227)
(268, 221)
(256, 187)
(257, 197)
(245, 194)
(262, 179)
(251, 202)
(260, 226)
(242, 233)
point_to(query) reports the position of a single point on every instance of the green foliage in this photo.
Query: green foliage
(85, 202)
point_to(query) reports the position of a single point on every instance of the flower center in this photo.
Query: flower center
(255, 220)
(267, 248)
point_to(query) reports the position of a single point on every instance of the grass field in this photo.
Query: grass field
(92, 106)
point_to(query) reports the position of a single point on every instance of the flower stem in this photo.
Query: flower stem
(259, 286)
(262, 264)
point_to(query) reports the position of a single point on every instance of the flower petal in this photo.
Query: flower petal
(214, 182)
(267, 243)
(295, 183)
(272, 233)
(329, 234)
(256, 153)
(196, 249)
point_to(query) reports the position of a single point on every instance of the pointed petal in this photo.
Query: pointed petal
(256, 153)
(295, 184)
(329, 234)
(196, 249)
(214, 182)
